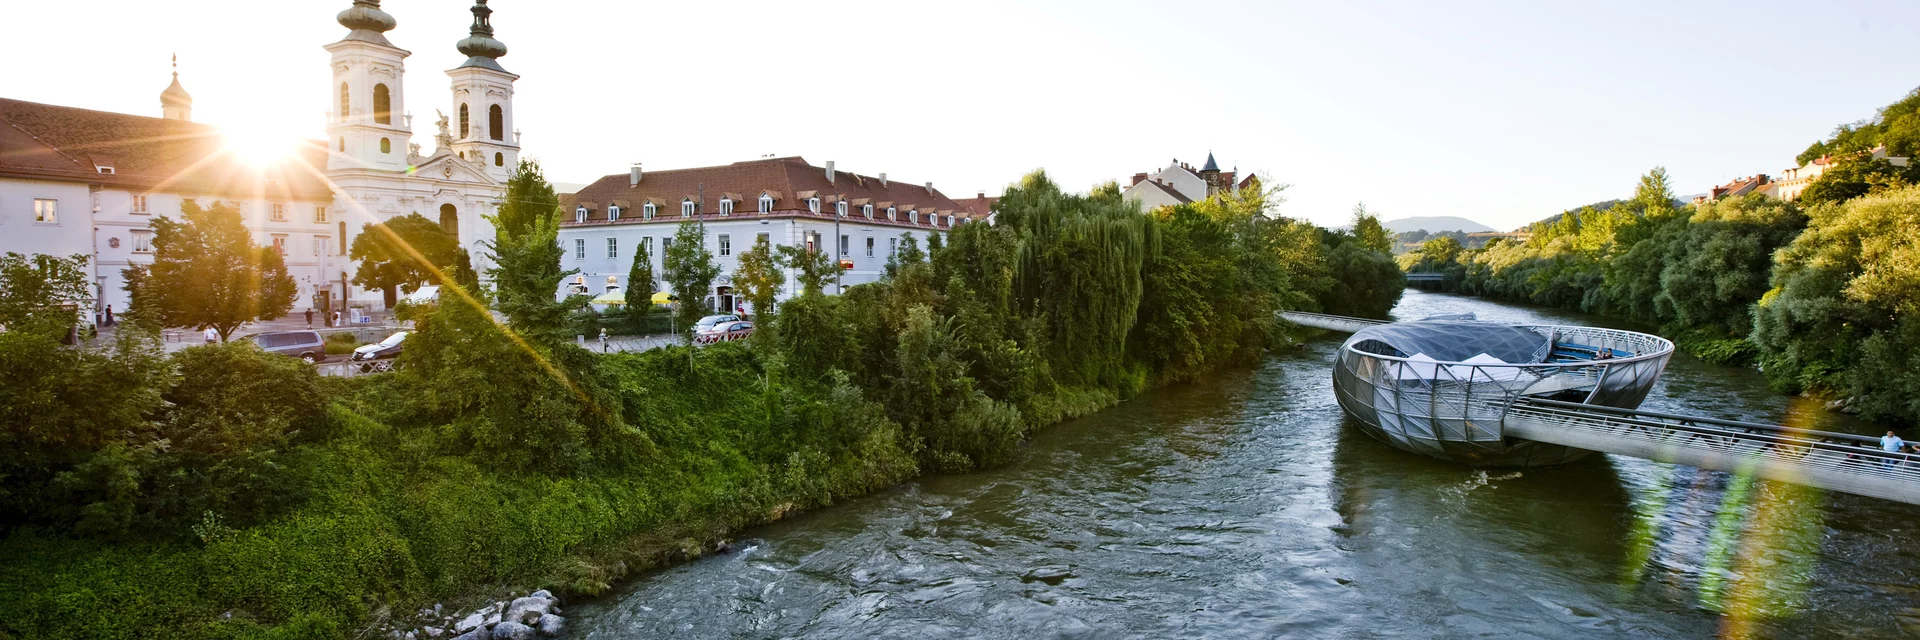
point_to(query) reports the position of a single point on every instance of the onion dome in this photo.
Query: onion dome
(176, 95)
(367, 22)
(480, 47)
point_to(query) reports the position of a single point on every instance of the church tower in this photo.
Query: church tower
(175, 103)
(483, 129)
(366, 127)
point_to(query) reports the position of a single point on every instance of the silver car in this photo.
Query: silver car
(305, 345)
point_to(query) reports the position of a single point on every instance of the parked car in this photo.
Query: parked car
(725, 332)
(305, 345)
(705, 325)
(383, 350)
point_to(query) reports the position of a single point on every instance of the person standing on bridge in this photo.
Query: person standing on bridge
(1892, 444)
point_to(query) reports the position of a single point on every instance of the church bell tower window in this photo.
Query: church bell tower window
(382, 104)
(496, 123)
(463, 122)
(346, 106)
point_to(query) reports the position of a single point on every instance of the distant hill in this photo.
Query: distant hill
(1434, 223)
(564, 188)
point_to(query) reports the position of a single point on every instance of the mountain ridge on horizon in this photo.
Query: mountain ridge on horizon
(1434, 224)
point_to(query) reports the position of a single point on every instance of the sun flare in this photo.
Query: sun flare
(260, 146)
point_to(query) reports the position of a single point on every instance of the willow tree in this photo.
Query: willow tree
(1078, 269)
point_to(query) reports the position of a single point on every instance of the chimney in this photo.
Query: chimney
(633, 175)
(829, 171)
(883, 179)
(1138, 178)
(983, 195)
(929, 188)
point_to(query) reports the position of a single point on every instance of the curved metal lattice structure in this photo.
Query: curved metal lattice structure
(1442, 387)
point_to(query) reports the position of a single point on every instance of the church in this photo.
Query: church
(79, 181)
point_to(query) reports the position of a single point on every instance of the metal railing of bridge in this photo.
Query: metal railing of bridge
(1834, 461)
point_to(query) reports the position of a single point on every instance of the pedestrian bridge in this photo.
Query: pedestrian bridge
(1514, 421)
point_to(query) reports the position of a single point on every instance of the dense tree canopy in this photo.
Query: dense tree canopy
(41, 293)
(407, 252)
(207, 272)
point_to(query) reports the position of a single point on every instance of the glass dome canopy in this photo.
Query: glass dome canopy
(1441, 386)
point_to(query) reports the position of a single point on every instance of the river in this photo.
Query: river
(1242, 506)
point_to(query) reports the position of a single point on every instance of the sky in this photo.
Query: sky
(1502, 112)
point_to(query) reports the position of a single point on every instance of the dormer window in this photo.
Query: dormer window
(840, 208)
(813, 205)
(949, 222)
(892, 215)
(580, 214)
(686, 208)
(766, 203)
(867, 210)
(613, 212)
(726, 206)
(913, 216)
(647, 210)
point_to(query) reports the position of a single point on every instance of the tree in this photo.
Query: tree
(758, 278)
(40, 293)
(207, 273)
(527, 274)
(529, 198)
(1854, 177)
(1441, 250)
(640, 280)
(815, 267)
(1368, 230)
(407, 252)
(691, 270)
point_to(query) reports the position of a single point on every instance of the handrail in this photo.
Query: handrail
(1662, 349)
(1738, 424)
(1765, 443)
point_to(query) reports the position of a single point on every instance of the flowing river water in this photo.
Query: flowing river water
(1242, 506)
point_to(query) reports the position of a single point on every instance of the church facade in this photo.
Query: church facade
(78, 181)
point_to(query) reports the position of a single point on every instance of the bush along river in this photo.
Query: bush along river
(1243, 506)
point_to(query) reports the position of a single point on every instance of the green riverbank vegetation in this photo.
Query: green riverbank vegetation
(1819, 293)
(220, 492)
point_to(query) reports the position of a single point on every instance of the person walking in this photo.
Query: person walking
(336, 318)
(603, 340)
(109, 315)
(211, 335)
(309, 317)
(1892, 444)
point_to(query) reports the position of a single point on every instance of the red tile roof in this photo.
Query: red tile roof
(791, 181)
(980, 206)
(67, 143)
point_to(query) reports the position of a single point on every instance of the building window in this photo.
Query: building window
(845, 244)
(913, 217)
(280, 243)
(139, 204)
(893, 247)
(686, 208)
(346, 108)
(343, 238)
(766, 203)
(343, 145)
(46, 211)
(463, 122)
(869, 246)
(646, 211)
(279, 213)
(386, 145)
(580, 214)
(320, 246)
(499, 160)
(726, 245)
(319, 215)
(813, 205)
(891, 215)
(142, 241)
(949, 222)
(726, 206)
(382, 104)
(867, 210)
(613, 212)
(613, 248)
(579, 248)
(840, 208)
(496, 123)
(763, 239)
(646, 244)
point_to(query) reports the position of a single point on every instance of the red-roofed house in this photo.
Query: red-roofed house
(785, 201)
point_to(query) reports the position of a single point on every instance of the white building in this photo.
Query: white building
(1179, 183)
(783, 201)
(1795, 180)
(90, 182)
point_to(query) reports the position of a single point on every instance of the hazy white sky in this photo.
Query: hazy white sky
(1503, 112)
